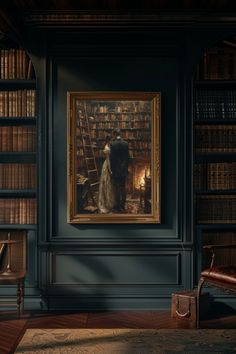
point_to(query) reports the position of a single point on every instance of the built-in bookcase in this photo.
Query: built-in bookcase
(18, 139)
(214, 148)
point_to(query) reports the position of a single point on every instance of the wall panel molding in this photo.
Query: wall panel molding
(107, 268)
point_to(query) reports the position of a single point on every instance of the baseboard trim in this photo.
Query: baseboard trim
(63, 303)
(30, 303)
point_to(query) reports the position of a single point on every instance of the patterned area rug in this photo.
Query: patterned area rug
(127, 341)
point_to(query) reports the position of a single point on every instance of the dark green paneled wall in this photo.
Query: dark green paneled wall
(112, 74)
(117, 266)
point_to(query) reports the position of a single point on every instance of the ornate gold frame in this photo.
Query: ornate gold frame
(73, 216)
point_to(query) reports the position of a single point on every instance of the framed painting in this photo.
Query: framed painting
(113, 157)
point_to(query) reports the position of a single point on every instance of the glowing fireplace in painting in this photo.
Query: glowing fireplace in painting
(141, 171)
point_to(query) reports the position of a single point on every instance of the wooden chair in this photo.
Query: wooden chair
(221, 276)
(13, 263)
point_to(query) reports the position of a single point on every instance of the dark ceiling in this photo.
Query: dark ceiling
(20, 6)
(16, 15)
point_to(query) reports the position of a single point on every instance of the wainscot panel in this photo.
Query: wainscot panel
(115, 269)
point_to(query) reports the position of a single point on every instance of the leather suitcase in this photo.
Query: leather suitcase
(184, 306)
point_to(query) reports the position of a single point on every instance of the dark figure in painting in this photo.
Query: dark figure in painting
(119, 162)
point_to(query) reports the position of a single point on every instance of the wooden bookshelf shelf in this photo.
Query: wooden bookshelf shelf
(216, 223)
(30, 157)
(15, 84)
(18, 154)
(214, 121)
(214, 157)
(216, 192)
(18, 226)
(215, 83)
(22, 193)
(18, 121)
(215, 227)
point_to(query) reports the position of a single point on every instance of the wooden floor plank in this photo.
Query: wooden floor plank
(58, 320)
(122, 319)
(12, 329)
(11, 332)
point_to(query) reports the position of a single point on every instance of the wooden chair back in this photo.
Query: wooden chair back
(17, 251)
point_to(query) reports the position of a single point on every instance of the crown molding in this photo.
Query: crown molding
(128, 19)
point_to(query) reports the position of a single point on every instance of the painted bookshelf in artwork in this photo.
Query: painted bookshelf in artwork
(214, 147)
(18, 139)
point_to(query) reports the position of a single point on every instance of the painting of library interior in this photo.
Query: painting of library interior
(114, 154)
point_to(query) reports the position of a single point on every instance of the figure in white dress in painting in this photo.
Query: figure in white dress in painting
(106, 194)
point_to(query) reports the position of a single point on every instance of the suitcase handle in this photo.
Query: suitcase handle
(186, 314)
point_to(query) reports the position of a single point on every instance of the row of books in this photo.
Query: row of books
(108, 118)
(17, 176)
(123, 107)
(133, 153)
(20, 103)
(215, 138)
(129, 136)
(216, 209)
(18, 211)
(122, 125)
(15, 64)
(218, 63)
(215, 104)
(17, 138)
(214, 176)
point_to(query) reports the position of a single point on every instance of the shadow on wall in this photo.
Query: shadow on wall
(104, 281)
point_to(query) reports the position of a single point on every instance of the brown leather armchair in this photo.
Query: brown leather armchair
(222, 276)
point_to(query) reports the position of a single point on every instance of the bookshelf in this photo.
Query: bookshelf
(18, 140)
(214, 147)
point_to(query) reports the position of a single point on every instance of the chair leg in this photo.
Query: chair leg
(199, 289)
(18, 298)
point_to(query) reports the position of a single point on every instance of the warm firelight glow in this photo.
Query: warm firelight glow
(140, 177)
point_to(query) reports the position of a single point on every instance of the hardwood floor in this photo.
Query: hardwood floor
(12, 329)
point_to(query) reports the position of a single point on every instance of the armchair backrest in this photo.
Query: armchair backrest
(17, 251)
